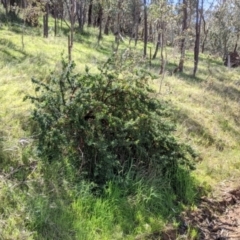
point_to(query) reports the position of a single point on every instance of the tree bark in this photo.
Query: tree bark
(71, 8)
(205, 31)
(182, 44)
(145, 29)
(136, 32)
(81, 15)
(135, 18)
(100, 15)
(236, 43)
(106, 28)
(162, 57)
(55, 19)
(45, 21)
(197, 38)
(5, 5)
(90, 13)
(157, 46)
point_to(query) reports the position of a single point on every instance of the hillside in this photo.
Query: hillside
(39, 203)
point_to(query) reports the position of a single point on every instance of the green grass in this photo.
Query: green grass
(42, 202)
(207, 116)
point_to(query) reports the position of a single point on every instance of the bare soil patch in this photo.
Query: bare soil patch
(216, 218)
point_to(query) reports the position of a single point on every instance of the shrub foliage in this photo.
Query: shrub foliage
(106, 124)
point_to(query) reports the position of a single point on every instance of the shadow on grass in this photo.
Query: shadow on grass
(86, 34)
(63, 208)
(227, 127)
(6, 46)
(186, 75)
(226, 92)
(11, 18)
(189, 78)
(24, 30)
(4, 18)
(194, 128)
(217, 62)
(204, 58)
(50, 214)
(155, 66)
(104, 50)
(11, 53)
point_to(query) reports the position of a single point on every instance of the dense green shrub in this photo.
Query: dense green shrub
(106, 124)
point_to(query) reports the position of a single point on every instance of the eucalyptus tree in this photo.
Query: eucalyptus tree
(81, 13)
(205, 30)
(46, 7)
(109, 17)
(100, 19)
(163, 17)
(56, 10)
(135, 18)
(197, 36)
(184, 13)
(145, 29)
(225, 26)
(236, 23)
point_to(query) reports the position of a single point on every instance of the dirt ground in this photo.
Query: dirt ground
(215, 218)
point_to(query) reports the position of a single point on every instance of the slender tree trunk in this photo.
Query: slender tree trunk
(137, 21)
(136, 33)
(45, 21)
(55, 19)
(117, 27)
(80, 15)
(157, 46)
(162, 34)
(197, 39)
(23, 28)
(162, 57)
(5, 4)
(84, 15)
(236, 43)
(71, 8)
(134, 16)
(106, 28)
(24, 4)
(150, 33)
(204, 41)
(205, 31)
(72, 19)
(100, 15)
(132, 32)
(182, 44)
(69, 48)
(145, 29)
(90, 13)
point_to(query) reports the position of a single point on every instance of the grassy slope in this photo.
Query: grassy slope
(206, 111)
(208, 117)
